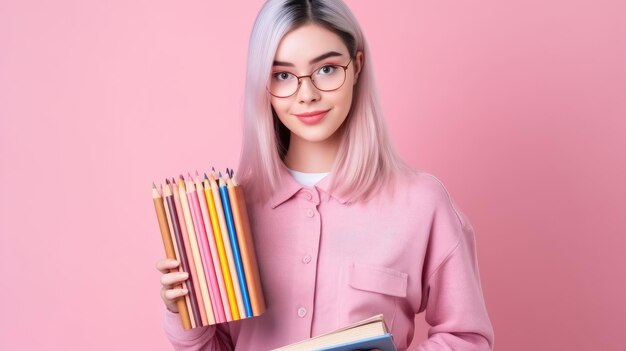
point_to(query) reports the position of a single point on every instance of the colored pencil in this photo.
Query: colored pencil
(227, 245)
(231, 312)
(204, 225)
(205, 252)
(170, 249)
(189, 252)
(246, 245)
(221, 288)
(208, 316)
(230, 224)
(180, 266)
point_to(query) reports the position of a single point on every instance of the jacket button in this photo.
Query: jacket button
(306, 259)
(301, 312)
(310, 213)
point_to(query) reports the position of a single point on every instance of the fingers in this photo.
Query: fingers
(173, 294)
(169, 297)
(166, 264)
(170, 279)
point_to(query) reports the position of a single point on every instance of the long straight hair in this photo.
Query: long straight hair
(366, 161)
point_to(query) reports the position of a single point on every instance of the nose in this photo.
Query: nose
(307, 91)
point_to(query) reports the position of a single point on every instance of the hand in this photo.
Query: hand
(172, 283)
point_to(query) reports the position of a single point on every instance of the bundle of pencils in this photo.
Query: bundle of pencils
(204, 225)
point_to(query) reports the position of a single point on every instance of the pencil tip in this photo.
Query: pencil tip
(205, 176)
(167, 181)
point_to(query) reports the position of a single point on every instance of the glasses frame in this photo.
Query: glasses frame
(345, 75)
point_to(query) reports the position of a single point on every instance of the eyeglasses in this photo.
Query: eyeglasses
(325, 78)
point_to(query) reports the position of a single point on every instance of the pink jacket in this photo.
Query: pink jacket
(326, 263)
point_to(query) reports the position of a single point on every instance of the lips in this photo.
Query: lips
(311, 117)
(310, 114)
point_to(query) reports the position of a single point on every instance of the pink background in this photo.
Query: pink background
(518, 106)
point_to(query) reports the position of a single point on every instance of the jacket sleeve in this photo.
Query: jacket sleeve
(207, 338)
(452, 296)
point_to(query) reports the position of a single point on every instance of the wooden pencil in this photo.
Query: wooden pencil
(231, 312)
(197, 294)
(170, 249)
(178, 255)
(222, 296)
(205, 252)
(207, 310)
(227, 246)
(234, 242)
(246, 243)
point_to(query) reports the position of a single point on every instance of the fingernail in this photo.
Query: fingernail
(184, 291)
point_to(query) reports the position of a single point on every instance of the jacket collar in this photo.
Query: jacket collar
(289, 187)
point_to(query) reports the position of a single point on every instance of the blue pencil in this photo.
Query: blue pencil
(230, 223)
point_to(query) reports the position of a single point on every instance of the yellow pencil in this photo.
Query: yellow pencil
(219, 241)
(204, 207)
(227, 245)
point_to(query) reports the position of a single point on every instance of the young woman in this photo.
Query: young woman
(342, 228)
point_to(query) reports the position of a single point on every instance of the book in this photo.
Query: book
(370, 333)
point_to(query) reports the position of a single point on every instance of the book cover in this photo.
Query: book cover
(371, 333)
(382, 342)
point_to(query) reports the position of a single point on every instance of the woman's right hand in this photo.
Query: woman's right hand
(171, 281)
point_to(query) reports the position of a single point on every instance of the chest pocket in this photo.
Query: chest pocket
(377, 279)
(372, 290)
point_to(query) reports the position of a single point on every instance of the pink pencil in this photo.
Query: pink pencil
(192, 267)
(207, 261)
(225, 311)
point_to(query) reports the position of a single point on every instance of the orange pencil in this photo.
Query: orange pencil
(170, 249)
(178, 256)
(246, 244)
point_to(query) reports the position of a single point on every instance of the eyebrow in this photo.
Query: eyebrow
(313, 61)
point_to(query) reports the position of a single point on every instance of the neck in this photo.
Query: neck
(312, 157)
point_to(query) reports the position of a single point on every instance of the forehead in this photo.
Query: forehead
(307, 42)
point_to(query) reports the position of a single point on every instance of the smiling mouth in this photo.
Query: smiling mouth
(310, 114)
(312, 117)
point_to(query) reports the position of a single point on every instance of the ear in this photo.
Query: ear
(358, 65)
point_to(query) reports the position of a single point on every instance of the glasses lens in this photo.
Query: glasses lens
(329, 77)
(283, 84)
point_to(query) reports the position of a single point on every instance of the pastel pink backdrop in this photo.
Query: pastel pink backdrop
(518, 106)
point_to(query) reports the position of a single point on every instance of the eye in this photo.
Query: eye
(282, 76)
(328, 69)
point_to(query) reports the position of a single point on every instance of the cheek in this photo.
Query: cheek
(344, 101)
(279, 107)
(282, 111)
